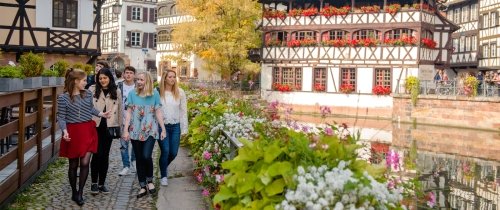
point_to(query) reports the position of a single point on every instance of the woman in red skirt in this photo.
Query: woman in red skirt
(74, 117)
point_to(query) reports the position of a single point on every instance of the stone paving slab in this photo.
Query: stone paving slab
(182, 192)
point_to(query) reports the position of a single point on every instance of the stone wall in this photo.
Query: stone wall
(480, 112)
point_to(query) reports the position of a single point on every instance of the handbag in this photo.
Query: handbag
(114, 132)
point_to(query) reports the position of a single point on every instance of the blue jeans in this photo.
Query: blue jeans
(124, 151)
(169, 146)
(144, 151)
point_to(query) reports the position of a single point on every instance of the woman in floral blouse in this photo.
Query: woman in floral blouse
(142, 120)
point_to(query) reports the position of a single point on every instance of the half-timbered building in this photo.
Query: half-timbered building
(66, 29)
(324, 56)
(465, 14)
(129, 34)
(489, 38)
(190, 67)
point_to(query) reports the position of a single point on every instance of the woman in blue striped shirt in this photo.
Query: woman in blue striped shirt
(74, 117)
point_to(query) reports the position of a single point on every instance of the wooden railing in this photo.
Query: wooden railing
(28, 141)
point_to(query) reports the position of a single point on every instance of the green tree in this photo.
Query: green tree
(221, 34)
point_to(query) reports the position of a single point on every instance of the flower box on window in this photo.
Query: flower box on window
(319, 87)
(282, 87)
(393, 8)
(274, 43)
(381, 90)
(346, 88)
(429, 43)
(310, 12)
(370, 9)
(295, 12)
(302, 43)
(334, 11)
(275, 14)
(403, 41)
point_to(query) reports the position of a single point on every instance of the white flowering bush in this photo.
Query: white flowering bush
(236, 125)
(338, 188)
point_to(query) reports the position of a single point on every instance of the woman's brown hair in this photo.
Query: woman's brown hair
(70, 78)
(175, 87)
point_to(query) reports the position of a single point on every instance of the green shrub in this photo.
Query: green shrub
(413, 85)
(32, 64)
(11, 72)
(49, 73)
(89, 69)
(61, 66)
(470, 86)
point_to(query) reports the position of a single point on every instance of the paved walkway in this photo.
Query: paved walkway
(183, 193)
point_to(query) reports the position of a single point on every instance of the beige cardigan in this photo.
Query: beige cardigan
(114, 105)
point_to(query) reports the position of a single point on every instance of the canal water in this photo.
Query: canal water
(461, 167)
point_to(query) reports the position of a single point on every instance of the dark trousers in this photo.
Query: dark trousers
(144, 161)
(169, 146)
(100, 160)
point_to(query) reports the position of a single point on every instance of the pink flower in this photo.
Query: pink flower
(205, 192)
(207, 155)
(392, 159)
(199, 178)
(329, 131)
(219, 178)
(431, 199)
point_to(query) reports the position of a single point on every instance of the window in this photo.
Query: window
(383, 77)
(485, 51)
(474, 43)
(455, 45)
(105, 40)
(397, 33)
(155, 15)
(493, 18)
(319, 83)
(348, 77)
(468, 44)
(363, 34)
(486, 21)
(473, 12)
(278, 35)
(288, 76)
(337, 34)
(301, 35)
(105, 15)
(163, 11)
(114, 39)
(462, 44)
(136, 13)
(65, 13)
(465, 14)
(163, 36)
(173, 10)
(493, 50)
(427, 34)
(155, 39)
(450, 14)
(456, 15)
(136, 39)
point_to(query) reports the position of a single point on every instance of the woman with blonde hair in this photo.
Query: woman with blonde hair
(74, 117)
(174, 108)
(143, 116)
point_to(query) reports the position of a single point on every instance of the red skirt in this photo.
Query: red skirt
(83, 139)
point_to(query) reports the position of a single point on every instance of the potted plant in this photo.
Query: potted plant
(393, 8)
(32, 66)
(61, 66)
(381, 90)
(11, 78)
(49, 77)
(319, 87)
(346, 88)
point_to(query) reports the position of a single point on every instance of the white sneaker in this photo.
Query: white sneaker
(132, 167)
(164, 181)
(125, 171)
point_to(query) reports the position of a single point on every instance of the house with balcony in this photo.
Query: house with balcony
(489, 34)
(190, 67)
(464, 14)
(61, 29)
(128, 29)
(351, 53)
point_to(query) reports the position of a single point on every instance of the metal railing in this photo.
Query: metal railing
(29, 140)
(451, 88)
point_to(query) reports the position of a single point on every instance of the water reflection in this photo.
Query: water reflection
(461, 167)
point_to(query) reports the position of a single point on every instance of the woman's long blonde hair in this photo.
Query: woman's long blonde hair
(69, 83)
(148, 86)
(163, 83)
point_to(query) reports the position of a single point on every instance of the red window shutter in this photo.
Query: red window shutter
(144, 40)
(129, 13)
(151, 39)
(151, 15)
(129, 36)
(145, 15)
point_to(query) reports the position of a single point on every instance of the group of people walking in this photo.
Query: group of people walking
(131, 110)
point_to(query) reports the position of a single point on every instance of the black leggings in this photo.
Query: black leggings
(100, 160)
(83, 162)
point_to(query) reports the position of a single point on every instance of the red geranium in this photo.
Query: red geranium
(319, 87)
(429, 43)
(346, 88)
(381, 90)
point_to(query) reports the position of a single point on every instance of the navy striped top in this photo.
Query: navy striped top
(80, 110)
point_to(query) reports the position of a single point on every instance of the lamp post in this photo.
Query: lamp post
(117, 8)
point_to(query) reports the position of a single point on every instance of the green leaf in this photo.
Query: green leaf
(223, 194)
(271, 153)
(276, 187)
(279, 168)
(235, 165)
(245, 183)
